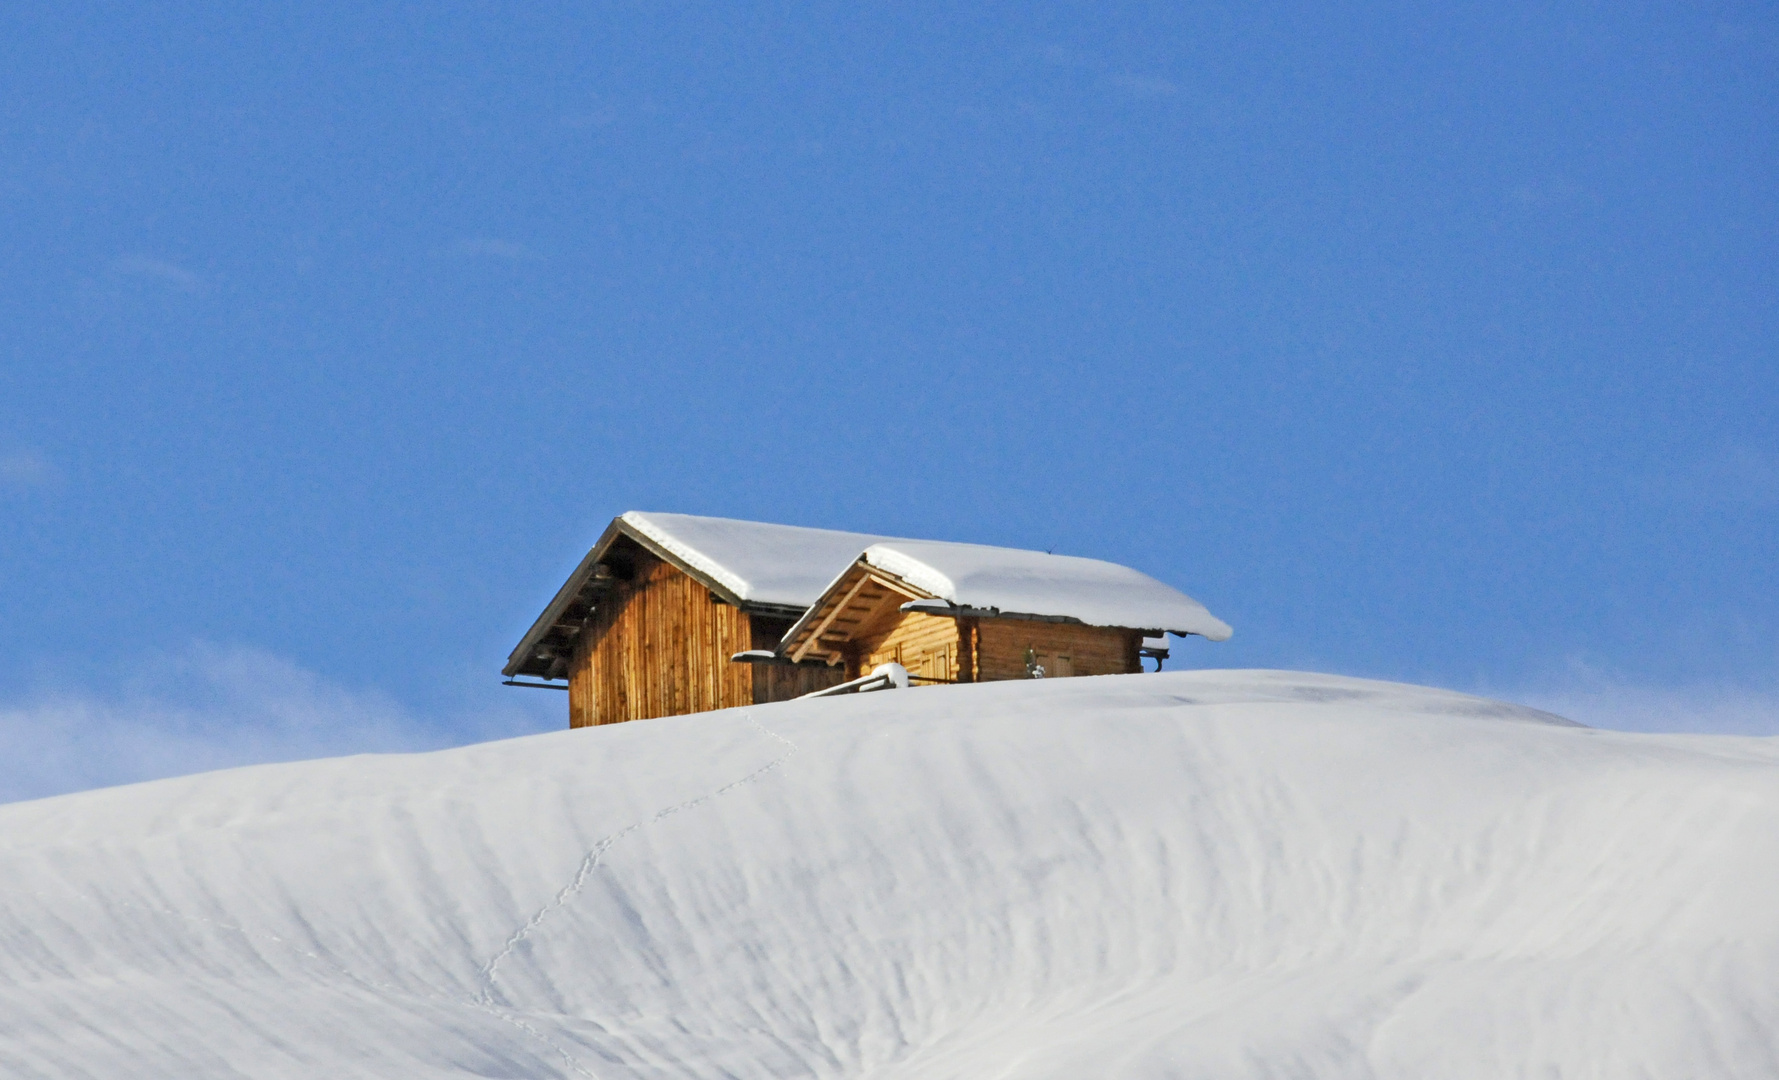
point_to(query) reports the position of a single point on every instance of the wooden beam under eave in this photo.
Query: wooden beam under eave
(887, 604)
(897, 585)
(803, 650)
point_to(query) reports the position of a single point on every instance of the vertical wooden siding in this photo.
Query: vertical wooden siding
(782, 682)
(969, 645)
(659, 645)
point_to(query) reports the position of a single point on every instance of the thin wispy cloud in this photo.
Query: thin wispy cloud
(23, 470)
(1146, 86)
(209, 707)
(1545, 191)
(1606, 700)
(597, 116)
(1732, 477)
(159, 271)
(495, 248)
(1189, 103)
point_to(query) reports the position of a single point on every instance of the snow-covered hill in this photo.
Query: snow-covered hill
(1201, 874)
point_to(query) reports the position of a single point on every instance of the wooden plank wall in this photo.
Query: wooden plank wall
(782, 682)
(659, 645)
(927, 645)
(1063, 648)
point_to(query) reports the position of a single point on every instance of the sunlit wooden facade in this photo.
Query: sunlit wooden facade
(671, 614)
(642, 635)
(859, 623)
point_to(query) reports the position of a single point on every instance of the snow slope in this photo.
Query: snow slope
(1185, 875)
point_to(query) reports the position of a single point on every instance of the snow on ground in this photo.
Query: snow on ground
(1185, 875)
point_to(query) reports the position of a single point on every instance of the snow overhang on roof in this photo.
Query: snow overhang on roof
(1033, 583)
(751, 564)
(1015, 582)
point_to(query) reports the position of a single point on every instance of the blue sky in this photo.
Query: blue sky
(1433, 343)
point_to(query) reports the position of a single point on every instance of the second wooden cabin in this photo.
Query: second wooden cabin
(671, 614)
(953, 613)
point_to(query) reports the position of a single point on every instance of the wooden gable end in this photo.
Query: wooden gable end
(864, 600)
(934, 648)
(859, 623)
(658, 644)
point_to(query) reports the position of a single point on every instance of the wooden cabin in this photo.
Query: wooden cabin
(955, 613)
(647, 623)
(671, 614)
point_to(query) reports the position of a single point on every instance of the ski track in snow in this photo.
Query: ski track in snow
(596, 855)
(486, 1000)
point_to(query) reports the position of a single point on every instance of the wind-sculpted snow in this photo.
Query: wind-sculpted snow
(1186, 875)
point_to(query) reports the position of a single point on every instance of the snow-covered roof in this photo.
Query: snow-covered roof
(1035, 583)
(776, 565)
(788, 568)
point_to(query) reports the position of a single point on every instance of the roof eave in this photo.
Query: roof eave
(648, 544)
(947, 609)
(523, 653)
(797, 628)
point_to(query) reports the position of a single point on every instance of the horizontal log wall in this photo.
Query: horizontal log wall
(659, 645)
(1087, 650)
(927, 645)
